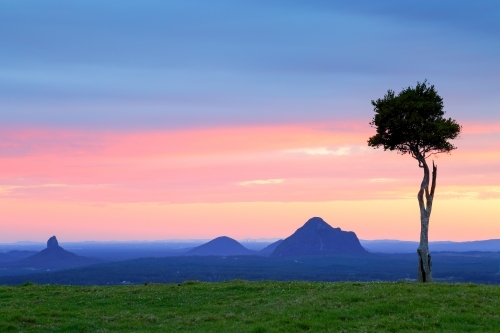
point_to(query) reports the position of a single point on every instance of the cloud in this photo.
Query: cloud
(4, 189)
(460, 194)
(322, 151)
(382, 180)
(261, 182)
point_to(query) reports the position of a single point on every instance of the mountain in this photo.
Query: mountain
(220, 246)
(15, 255)
(316, 237)
(489, 245)
(271, 247)
(53, 257)
(396, 246)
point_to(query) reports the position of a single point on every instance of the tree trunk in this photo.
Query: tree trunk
(424, 256)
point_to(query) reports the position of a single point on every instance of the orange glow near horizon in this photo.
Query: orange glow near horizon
(243, 182)
(371, 219)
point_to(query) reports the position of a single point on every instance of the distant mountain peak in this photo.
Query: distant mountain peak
(221, 246)
(53, 257)
(316, 237)
(52, 242)
(318, 223)
(224, 238)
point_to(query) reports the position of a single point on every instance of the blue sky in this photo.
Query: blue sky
(173, 64)
(118, 119)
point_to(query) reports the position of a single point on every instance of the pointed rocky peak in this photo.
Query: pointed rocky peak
(52, 242)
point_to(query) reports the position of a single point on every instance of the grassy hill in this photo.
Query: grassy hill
(241, 306)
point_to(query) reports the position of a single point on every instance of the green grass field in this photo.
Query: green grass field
(240, 306)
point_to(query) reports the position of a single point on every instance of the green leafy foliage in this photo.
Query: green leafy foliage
(412, 122)
(242, 306)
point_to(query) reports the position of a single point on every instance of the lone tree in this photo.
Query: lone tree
(412, 122)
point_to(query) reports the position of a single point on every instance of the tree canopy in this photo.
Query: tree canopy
(412, 122)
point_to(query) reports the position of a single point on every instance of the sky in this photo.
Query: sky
(151, 120)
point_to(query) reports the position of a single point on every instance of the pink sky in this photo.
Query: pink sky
(140, 120)
(243, 182)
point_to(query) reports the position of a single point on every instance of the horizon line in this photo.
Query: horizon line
(245, 240)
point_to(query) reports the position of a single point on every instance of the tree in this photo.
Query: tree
(412, 122)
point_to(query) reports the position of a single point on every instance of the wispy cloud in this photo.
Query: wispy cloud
(322, 151)
(382, 180)
(261, 182)
(8, 188)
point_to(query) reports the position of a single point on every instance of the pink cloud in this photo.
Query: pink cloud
(314, 162)
(85, 182)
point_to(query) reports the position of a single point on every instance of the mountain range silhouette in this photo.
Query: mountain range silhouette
(315, 237)
(52, 257)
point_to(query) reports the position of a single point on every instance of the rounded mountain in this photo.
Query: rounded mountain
(220, 246)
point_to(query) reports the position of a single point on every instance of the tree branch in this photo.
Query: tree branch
(434, 175)
(424, 186)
